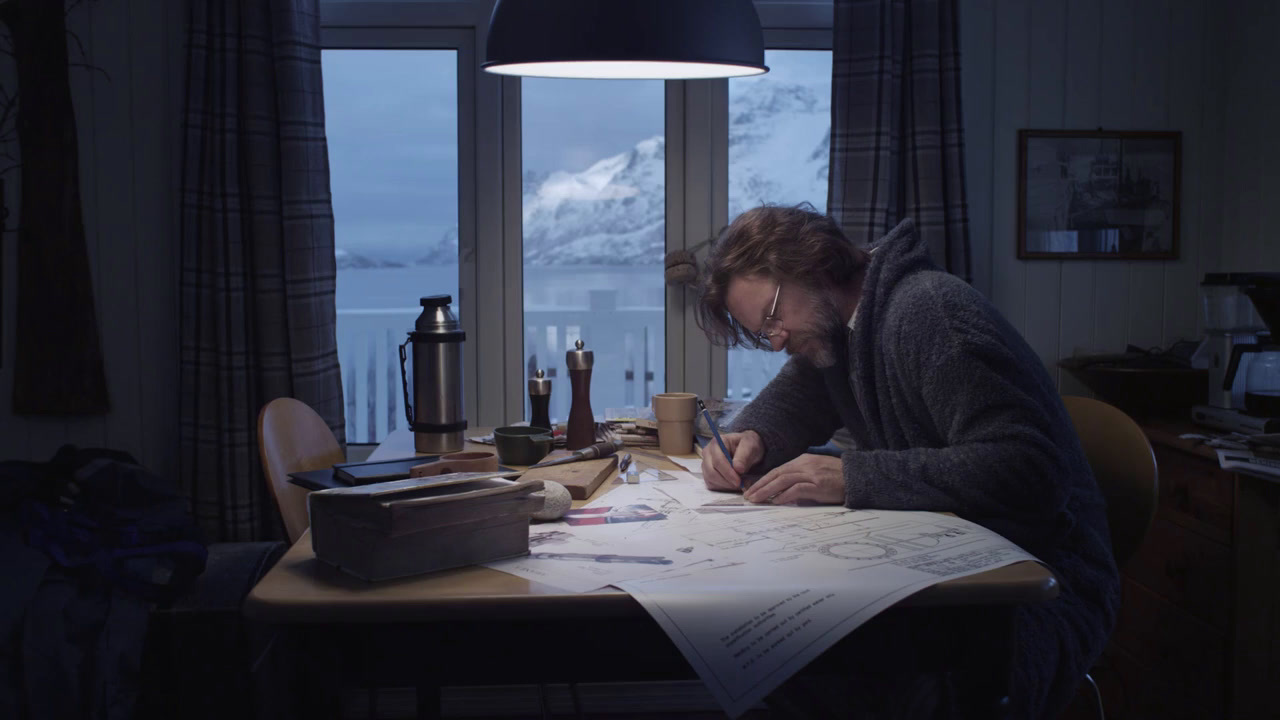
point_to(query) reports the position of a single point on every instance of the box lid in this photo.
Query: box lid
(419, 504)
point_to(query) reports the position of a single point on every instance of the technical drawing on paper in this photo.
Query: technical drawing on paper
(839, 535)
(732, 505)
(551, 539)
(603, 558)
(886, 544)
(548, 537)
(654, 497)
(779, 532)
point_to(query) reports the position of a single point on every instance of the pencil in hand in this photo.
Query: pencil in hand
(715, 431)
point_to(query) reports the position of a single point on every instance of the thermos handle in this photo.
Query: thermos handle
(404, 382)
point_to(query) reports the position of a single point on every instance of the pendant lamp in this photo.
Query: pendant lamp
(625, 39)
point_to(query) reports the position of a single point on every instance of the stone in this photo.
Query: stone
(556, 501)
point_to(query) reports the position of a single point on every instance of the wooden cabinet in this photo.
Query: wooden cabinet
(1198, 635)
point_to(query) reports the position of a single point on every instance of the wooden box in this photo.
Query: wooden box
(407, 527)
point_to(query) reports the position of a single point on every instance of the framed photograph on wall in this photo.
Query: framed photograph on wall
(1091, 194)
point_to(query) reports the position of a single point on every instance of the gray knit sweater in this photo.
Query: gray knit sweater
(952, 411)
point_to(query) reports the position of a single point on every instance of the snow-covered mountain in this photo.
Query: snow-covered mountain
(612, 213)
(348, 260)
(443, 251)
(779, 147)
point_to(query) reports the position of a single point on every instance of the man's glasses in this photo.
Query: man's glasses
(771, 325)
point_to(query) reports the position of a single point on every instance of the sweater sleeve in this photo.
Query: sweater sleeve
(962, 371)
(793, 412)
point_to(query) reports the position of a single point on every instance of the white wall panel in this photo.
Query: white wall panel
(1148, 110)
(1012, 54)
(1186, 73)
(128, 122)
(1251, 187)
(116, 232)
(1046, 81)
(977, 65)
(1079, 110)
(1122, 65)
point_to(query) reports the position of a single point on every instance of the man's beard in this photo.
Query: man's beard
(819, 344)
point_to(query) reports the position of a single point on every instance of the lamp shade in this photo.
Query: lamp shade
(628, 39)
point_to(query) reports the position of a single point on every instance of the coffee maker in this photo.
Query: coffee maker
(1240, 312)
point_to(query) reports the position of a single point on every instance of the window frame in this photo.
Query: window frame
(489, 189)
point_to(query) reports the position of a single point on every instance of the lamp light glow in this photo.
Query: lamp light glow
(625, 39)
(626, 70)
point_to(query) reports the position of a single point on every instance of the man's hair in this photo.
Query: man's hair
(794, 245)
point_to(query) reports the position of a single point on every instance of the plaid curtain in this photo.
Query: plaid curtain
(258, 269)
(897, 130)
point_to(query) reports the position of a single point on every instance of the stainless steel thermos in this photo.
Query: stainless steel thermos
(436, 414)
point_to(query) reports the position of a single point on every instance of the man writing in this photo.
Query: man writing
(948, 408)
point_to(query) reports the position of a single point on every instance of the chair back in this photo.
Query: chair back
(1125, 467)
(294, 438)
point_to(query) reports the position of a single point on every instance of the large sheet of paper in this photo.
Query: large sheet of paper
(784, 588)
(580, 562)
(692, 463)
(752, 593)
(630, 532)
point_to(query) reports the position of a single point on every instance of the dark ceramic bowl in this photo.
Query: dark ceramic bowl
(522, 445)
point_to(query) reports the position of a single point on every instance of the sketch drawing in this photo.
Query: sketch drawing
(604, 558)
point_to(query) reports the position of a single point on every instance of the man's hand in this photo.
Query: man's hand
(718, 472)
(812, 478)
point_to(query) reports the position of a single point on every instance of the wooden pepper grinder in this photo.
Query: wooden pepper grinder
(581, 431)
(540, 400)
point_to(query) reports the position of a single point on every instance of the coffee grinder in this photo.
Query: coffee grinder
(1240, 311)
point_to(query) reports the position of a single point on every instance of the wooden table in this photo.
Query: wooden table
(470, 616)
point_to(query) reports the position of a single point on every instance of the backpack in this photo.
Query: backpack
(97, 511)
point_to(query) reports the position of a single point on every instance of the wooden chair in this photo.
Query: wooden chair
(293, 438)
(1125, 468)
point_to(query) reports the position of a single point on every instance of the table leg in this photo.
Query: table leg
(428, 701)
(318, 690)
(986, 686)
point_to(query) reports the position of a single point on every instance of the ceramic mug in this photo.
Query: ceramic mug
(456, 462)
(522, 445)
(675, 413)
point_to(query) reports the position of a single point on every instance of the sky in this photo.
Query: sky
(391, 121)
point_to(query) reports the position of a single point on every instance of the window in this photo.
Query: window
(779, 148)
(593, 210)
(409, 111)
(391, 119)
